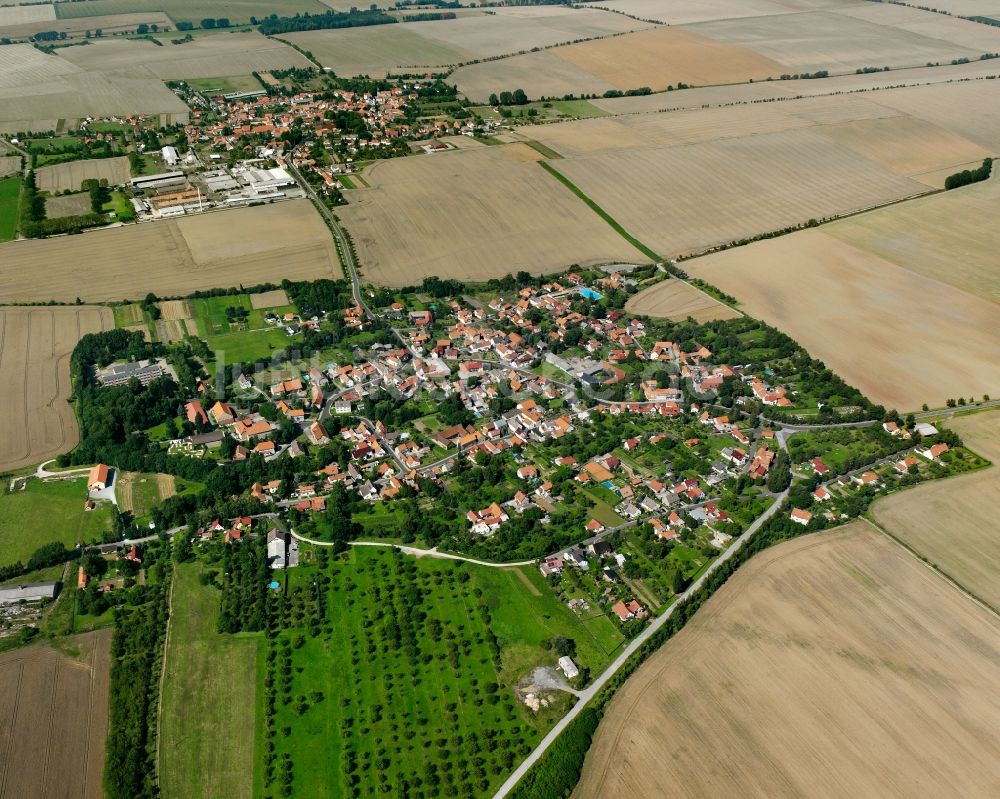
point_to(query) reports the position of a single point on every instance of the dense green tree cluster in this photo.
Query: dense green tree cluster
(967, 176)
(329, 20)
(246, 574)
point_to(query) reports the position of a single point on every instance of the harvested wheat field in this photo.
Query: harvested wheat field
(952, 523)
(67, 205)
(205, 57)
(948, 237)
(684, 199)
(854, 36)
(69, 177)
(380, 49)
(902, 338)
(268, 299)
(109, 25)
(219, 249)
(9, 164)
(473, 215)
(38, 90)
(833, 665)
(20, 15)
(655, 58)
(54, 718)
(676, 299)
(36, 421)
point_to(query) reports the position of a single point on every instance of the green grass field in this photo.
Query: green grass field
(209, 688)
(233, 83)
(408, 700)
(250, 345)
(46, 512)
(10, 191)
(190, 10)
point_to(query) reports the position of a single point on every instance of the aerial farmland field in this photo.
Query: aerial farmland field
(244, 246)
(951, 522)
(204, 57)
(885, 328)
(70, 176)
(380, 49)
(653, 58)
(502, 213)
(39, 90)
(854, 37)
(834, 665)
(54, 711)
(78, 28)
(237, 11)
(36, 421)
(677, 299)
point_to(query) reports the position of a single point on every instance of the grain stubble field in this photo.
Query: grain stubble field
(678, 300)
(492, 211)
(54, 719)
(833, 665)
(951, 522)
(70, 176)
(885, 303)
(36, 421)
(243, 246)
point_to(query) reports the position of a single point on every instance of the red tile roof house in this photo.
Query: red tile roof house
(802, 517)
(624, 611)
(98, 478)
(594, 526)
(819, 467)
(195, 412)
(934, 452)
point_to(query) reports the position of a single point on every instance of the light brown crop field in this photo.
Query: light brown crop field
(38, 90)
(910, 146)
(77, 28)
(681, 12)
(238, 11)
(855, 36)
(952, 522)
(946, 237)
(268, 299)
(473, 215)
(221, 249)
(69, 177)
(789, 89)
(204, 57)
(67, 205)
(686, 198)
(9, 164)
(20, 15)
(654, 58)
(833, 665)
(36, 421)
(677, 299)
(379, 49)
(54, 718)
(665, 56)
(902, 338)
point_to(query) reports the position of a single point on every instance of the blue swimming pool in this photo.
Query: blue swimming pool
(590, 294)
(608, 484)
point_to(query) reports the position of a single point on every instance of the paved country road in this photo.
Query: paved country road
(590, 692)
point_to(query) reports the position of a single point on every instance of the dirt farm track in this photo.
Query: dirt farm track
(54, 719)
(834, 665)
(36, 421)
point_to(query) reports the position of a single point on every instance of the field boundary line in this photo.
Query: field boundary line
(163, 675)
(932, 566)
(615, 225)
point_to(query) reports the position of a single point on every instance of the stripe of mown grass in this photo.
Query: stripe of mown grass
(601, 212)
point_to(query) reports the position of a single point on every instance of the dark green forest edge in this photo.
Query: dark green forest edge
(967, 176)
